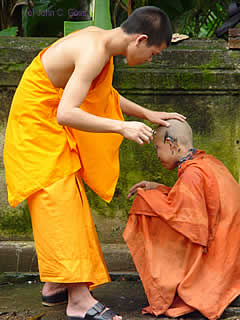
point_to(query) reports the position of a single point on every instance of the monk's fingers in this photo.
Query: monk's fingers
(139, 140)
(135, 191)
(147, 129)
(177, 116)
(137, 131)
(134, 188)
(148, 132)
(131, 193)
(144, 138)
(161, 117)
(145, 134)
(164, 123)
(140, 184)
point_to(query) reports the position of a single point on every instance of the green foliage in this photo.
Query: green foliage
(9, 32)
(10, 14)
(195, 18)
(203, 19)
(16, 221)
(5, 13)
(46, 18)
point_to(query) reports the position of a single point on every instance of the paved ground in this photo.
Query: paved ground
(22, 301)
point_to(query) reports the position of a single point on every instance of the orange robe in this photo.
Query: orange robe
(185, 240)
(45, 164)
(38, 151)
(65, 237)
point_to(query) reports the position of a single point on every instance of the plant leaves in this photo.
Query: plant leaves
(9, 32)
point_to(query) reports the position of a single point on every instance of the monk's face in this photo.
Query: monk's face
(139, 52)
(166, 153)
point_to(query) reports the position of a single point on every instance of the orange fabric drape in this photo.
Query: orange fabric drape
(38, 151)
(185, 240)
(66, 241)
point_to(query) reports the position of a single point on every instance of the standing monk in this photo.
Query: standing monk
(66, 125)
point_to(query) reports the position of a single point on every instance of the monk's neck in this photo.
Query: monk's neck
(117, 41)
(186, 154)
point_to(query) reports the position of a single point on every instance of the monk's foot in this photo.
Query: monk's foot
(82, 303)
(52, 288)
(97, 312)
(54, 294)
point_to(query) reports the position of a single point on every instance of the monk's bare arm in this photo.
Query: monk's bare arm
(132, 109)
(69, 113)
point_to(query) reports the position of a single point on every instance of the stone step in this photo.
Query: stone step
(20, 256)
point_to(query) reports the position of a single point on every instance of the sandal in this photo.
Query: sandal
(96, 313)
(55, 299)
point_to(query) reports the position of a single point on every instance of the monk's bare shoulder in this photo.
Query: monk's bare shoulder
(84, 50)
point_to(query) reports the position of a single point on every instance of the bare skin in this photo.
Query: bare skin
(73, 63)
(76, 60)
(168, 152)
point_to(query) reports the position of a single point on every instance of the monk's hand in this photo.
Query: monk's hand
(145, 185)
(137, 131)
(160, 117)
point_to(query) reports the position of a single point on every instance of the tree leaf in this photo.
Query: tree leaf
(9, 32)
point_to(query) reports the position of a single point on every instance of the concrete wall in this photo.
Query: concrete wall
(199, 79)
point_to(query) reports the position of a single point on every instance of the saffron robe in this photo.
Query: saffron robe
(38, 151)
(185, 240)
(46, 162)
(65, 237)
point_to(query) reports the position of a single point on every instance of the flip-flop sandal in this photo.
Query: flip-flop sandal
(55, 299)
(96, 313)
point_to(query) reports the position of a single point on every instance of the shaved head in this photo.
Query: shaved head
(180, 132)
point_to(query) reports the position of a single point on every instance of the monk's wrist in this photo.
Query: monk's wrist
(119, 127)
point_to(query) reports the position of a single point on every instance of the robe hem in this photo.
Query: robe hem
(17, 201)
(92, 286)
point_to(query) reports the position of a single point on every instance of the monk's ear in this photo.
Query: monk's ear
(172, 144)
(141, 38)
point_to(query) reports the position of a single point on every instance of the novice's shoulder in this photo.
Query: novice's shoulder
(88, 45)
(88, 39)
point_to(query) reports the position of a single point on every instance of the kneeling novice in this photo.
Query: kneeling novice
(185, 240)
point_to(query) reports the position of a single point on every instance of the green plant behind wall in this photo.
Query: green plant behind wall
(16, 221)
(46, 18)
(196, 18)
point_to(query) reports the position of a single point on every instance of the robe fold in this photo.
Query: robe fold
(45, 164)
(185, 240)
(65, 237)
